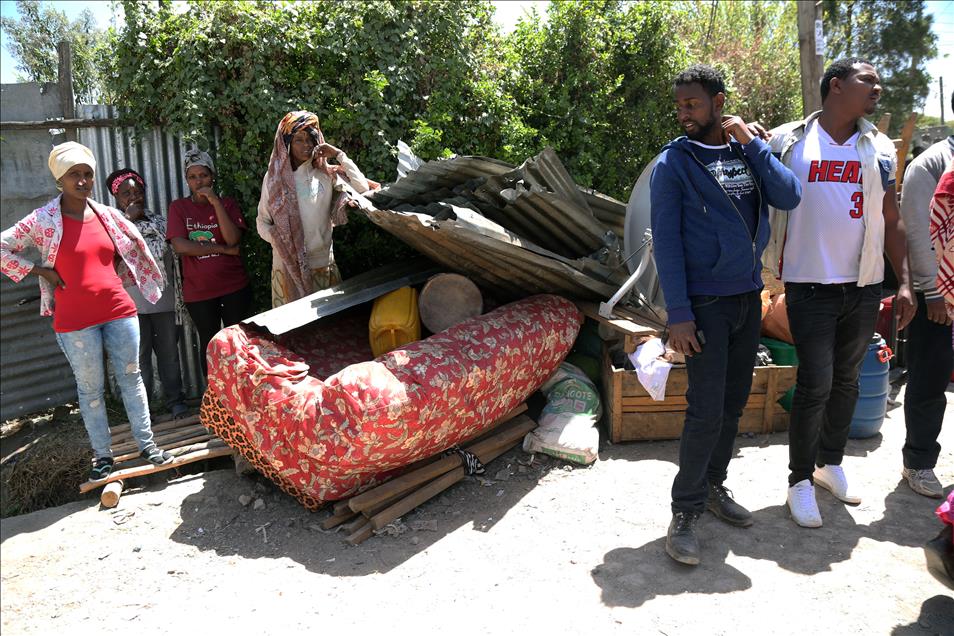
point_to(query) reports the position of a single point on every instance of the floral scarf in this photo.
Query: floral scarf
(283, 201)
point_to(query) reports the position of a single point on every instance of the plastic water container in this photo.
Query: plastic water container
(395, 321)
(783, 354)
(873, 391)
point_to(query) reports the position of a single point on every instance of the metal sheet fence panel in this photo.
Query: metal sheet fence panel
(34, 373)
(157, 156)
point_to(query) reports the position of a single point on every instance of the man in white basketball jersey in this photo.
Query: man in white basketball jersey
(829, 253)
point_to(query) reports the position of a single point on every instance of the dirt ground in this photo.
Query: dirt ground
(531, 547)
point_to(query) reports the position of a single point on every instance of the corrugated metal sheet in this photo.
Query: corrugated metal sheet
(511, 268)
(537, 200)
(529, 229)
(36, 375)
(354, 291)
(156, 155)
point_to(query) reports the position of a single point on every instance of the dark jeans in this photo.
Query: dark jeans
(832, 327)
(158, 333)
(719, 382)
(930, 361)
(210, 315)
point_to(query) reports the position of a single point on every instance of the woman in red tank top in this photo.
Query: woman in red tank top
(89, 253)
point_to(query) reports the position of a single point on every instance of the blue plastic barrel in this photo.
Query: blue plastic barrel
(872, 392)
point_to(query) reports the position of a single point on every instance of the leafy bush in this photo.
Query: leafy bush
(593, 82)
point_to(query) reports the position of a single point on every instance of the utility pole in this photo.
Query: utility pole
(65, 77)
(811, 45)
(941, 79)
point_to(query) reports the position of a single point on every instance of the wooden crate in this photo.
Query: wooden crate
(632, 415)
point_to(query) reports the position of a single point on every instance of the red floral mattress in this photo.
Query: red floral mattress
(323, 440)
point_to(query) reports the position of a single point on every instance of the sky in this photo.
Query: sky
(508, 12)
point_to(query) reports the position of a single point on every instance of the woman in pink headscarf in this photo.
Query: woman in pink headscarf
(300, 205)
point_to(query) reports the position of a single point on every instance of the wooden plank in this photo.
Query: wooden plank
(185, 441)
(663, 426)
(768, 406)
(139, 471)
(632, 403)
(612, 396)
(676, 403)
(623, 326)
(884, 123)
(122, 433)
(906, 133)
(678, 382)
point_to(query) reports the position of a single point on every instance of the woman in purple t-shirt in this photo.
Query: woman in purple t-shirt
(205, 230)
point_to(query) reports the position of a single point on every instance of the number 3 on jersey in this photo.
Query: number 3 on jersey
(858, 198)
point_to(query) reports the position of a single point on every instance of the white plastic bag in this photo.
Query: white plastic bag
(567, 426)
(652, 371)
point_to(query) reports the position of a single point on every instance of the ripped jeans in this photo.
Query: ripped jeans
(84, 351)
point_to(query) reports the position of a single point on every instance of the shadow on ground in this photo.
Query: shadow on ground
(630, 577)
(213, 519)
(937, 617)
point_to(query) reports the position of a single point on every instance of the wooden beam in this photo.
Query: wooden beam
(884, 123)
(906, 134)
(810, 63)
(65, 82)
(627, 328)
(138, 471)
(60, 123)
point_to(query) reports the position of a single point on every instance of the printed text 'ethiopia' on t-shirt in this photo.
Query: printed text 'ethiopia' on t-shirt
(205, 277)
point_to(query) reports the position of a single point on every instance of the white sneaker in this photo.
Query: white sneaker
(802, 505)
(832, 478)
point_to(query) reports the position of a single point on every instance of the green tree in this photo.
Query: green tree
(33, 39)
(594, 81)
(755, 46)
(898, 40)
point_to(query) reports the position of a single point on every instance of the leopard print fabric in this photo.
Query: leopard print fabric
(215, 418)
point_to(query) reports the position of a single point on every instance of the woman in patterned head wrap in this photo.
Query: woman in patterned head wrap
(300, 205)
(205, 230)
(157, 321)
(88, 253)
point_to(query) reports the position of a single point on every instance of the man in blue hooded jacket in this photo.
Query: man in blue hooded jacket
(710, 193)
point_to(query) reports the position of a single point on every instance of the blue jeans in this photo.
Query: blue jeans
(84, 351)
(832, 327)
(720, 379)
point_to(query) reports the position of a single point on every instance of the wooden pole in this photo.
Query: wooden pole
(111, 494)
(408, 481)
(906, 134)
(65, 82)
(442, 483)
(810, 62)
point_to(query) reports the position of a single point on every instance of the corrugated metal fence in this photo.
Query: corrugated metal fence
(34, 374)
(157, 156)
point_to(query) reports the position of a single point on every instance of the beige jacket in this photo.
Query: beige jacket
(878, 164)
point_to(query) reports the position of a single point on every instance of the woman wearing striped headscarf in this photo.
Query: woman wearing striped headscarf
(300, 205)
